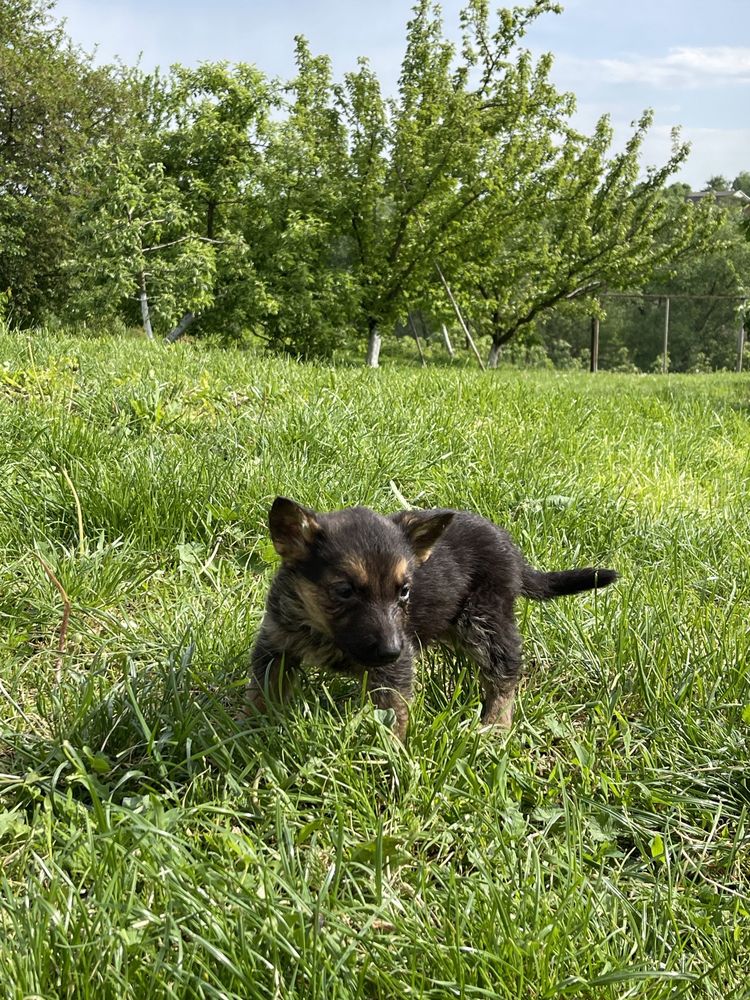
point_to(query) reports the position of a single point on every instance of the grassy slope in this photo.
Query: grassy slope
(152, 848)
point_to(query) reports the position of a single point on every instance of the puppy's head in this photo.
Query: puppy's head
(352, 570)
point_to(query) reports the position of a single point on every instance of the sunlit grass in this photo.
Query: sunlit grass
(153, 847)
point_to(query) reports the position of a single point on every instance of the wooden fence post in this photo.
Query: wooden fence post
(594, 366)
(741, 339)
(665, 352)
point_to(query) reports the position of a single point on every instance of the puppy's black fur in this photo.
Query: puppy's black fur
(363, 593)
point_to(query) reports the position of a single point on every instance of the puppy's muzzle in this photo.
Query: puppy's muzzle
(384, 651)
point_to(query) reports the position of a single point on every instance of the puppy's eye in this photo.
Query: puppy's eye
(403, 594)
(342, 590)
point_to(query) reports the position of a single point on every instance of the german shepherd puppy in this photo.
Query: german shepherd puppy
(361, 593)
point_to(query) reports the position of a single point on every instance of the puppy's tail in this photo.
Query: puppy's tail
(543, 586)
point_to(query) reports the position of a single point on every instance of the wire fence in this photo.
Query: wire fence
(715, 334)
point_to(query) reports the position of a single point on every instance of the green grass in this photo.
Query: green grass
(151, 847)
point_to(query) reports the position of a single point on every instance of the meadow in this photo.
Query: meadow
(153, 847)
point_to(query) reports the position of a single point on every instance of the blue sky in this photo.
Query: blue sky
(686, 59)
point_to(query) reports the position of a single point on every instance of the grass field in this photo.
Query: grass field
(151, 847)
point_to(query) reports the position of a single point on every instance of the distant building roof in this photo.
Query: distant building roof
(737, 196)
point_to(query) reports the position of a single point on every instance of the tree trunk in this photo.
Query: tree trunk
(494, 356)
(145, 315)
(373, 347)
(174, 335)
(447, 342)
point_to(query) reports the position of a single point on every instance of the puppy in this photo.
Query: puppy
(361, 593)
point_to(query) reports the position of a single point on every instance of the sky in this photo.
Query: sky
(686, 59)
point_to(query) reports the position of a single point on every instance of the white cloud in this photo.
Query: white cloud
(682, 67)
(712, 151)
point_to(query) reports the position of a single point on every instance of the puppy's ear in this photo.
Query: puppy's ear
(423, 528)
(293, 528)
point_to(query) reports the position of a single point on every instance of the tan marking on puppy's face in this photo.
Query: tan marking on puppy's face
(400, 572)
(311, 598)
(354, 568)
(376, 579)
(393, 580)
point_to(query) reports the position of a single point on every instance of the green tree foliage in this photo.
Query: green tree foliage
(707, 290)
(429, 168)
(53, 106)
(475, 167)
(707, 287)
(133, 229)
(316, 213)
(717, 183)
(403, 180)
(296, 217)
(159, 204)
(565, 216)
(214, 148)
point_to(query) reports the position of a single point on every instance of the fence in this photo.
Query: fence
(667, 300)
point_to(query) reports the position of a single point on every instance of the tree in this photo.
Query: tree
(705, 322)
(214, 149)
(475, 169)
(296, 218)
(135, 244)
(717, 183)
(562, 217)
(419, 164)
(53, 105)
(401, 179)
(158, 209)
(742, 182)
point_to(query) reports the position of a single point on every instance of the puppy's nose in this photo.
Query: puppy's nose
(387, 650)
